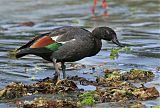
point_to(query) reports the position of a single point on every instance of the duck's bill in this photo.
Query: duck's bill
(115, 41)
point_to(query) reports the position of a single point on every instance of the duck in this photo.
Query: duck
(67, 44)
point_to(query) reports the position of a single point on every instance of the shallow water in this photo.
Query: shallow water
(136, 23)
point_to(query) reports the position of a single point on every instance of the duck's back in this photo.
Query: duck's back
(65, 44)
(81, 45)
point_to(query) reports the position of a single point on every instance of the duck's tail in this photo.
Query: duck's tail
(42, 52)
(23, 52)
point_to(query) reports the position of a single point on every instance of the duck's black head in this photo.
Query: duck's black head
(106, 33)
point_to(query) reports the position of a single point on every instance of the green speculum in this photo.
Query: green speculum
(53, 46)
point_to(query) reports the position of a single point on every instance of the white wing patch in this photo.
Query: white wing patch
(54, 37)
(67, 41)
(62, 42)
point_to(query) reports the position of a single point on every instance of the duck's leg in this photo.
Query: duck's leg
(63, 66)
(57, 73)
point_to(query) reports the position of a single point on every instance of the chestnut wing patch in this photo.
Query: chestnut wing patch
(46, 42)
(42, 42)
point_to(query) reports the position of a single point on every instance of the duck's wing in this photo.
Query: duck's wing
(63, 44)
(27, 45)
(45, 44)
(55, 35)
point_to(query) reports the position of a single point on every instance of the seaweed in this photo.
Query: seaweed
(13, 90)
(45, 103)
(87, 98)
(138, 75)
(114, 54)
(114, 86)
(47, 86)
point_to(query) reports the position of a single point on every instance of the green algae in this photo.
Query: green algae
(114, 54)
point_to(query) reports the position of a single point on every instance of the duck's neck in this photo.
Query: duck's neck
(97, 34)
(97, 46)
